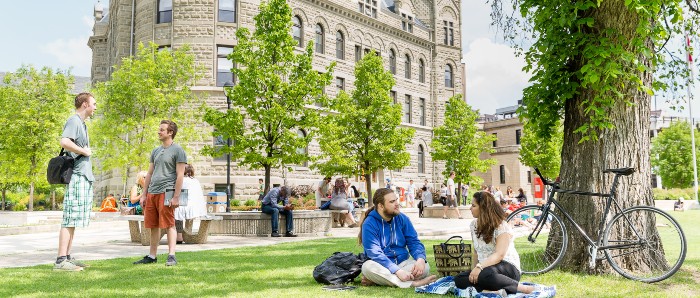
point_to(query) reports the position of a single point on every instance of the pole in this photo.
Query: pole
(691, 82)
(227, 87)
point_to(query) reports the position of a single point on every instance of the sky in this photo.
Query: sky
(56, 35)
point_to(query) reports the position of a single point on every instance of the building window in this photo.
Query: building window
(224, 66)
(449, 76)
(421, 71)
(339, 45)
(368, 7)
(392, 93)
(407, 109)
(421, 159)
(495, 139)
(517, 136)
(319, 39)
(219, 144)
(227, 11)
(407, 67)
(503, 174)
(340, 83)
(164, 48)
(165, 11)
(406, 22)
(449, 31)
(421, 109)
(529, 177)
(358, 53)
(298, 31)
(392, 61)
(303, 150)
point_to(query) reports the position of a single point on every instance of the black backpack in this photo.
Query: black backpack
(339, 268)
(60, 168)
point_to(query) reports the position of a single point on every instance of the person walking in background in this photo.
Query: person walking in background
(77, 203)
(465, 193)
(261, 189)
(411, 194)
(276, 201)
(196, 205)
(498, 263)
(451, 200)
(166, 171)
(136, 191)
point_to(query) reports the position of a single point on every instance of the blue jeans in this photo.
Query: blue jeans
(326, 206)
(275, 213)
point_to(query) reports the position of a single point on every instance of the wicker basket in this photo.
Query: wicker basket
(453, 258)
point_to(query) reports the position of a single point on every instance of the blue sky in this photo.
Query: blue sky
(55, 33)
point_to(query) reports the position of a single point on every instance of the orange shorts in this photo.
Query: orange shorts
(156, 214)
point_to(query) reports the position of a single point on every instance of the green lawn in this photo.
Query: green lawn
(286, 270)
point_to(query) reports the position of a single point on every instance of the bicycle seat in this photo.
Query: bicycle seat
(620, 171)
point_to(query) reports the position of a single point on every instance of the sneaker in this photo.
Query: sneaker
(290, 234)
(66, 266)
(78, 263)
(275, 234)
(146, 260)
(171, 261)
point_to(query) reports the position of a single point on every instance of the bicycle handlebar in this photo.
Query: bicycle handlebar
(544, 180)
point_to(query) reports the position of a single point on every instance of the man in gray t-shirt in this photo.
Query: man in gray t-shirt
(166, 171)
(77, 202)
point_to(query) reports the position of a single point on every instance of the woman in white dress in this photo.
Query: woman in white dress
(196, 204)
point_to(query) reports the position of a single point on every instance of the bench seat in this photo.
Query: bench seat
(256, 223)
(139, 232)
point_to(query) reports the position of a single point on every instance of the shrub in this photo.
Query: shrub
(302, 190)
(251, 203)
(235, 202)
(673, 193)
(19, 207)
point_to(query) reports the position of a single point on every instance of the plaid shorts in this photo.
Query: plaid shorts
(77, 204)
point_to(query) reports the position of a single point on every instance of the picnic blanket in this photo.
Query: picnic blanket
(446, 285)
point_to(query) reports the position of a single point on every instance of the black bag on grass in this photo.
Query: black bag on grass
(339, 268)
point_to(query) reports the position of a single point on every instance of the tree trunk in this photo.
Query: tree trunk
(267, 178)
(53, 199)
(625, 145)
(368, 185)
(4, 199)
(31, 197)
(459, 193)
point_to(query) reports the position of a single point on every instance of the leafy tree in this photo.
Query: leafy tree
(458, 142)
(365, 134)
(541, 153)
(143, 90)
(34, 105)
(672, 157)
(271, 99)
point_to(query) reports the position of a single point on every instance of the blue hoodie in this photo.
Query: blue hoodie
(386, 242)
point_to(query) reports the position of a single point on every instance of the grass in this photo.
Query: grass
(285, 270)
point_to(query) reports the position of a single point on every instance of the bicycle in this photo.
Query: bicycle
(634, 248)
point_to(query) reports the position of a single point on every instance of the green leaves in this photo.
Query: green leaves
(671, 155)
(459, 143)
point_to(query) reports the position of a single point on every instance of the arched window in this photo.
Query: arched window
(407, 67)
(319, 39)
(339, 45)
(421, 71)
(449, 76)
(303, 150)
(392, 61)
(298, 31)
(421, 159)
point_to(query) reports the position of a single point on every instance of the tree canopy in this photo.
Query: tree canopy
(271, 100)
(362, 134)
(672, 155)
(543, 154)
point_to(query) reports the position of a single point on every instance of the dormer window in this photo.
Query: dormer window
(368, 7)
(406, 22)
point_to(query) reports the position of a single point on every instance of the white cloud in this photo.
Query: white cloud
(494, 76)
(71, 53)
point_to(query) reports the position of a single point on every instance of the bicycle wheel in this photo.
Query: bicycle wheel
(540, 242)
(653, 245)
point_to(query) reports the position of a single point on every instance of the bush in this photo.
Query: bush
(302, 191)
(251, 203)
(19, 207)
(673, 193)
(235, 202)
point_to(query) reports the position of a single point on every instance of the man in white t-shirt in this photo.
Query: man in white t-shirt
(451, 196)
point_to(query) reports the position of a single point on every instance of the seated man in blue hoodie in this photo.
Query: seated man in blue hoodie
(388, 237)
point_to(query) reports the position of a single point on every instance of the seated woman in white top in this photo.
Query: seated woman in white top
(339, 201)
(498, 267)
(196, 204)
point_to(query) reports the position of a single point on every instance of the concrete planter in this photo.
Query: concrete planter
(256, 223)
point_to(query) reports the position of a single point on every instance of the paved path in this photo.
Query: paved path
(110, 239)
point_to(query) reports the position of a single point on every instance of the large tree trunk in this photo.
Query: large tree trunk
(31, 196)
(625, 145)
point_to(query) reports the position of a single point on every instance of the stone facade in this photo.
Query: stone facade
(195, 22)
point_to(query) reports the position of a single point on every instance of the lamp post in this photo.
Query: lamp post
(227, 91)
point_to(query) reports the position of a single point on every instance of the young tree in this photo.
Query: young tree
(592, 64)
(363, 135)
(541, 153)
(458, 142)
(143, 90)
(34, 105)
(672, 155)
(271, 99)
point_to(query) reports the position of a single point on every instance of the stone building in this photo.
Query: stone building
(419, 41)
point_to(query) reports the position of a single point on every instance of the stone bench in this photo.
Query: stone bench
(337, 215)
(436, 211)
(139, 232)
(256, 223)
